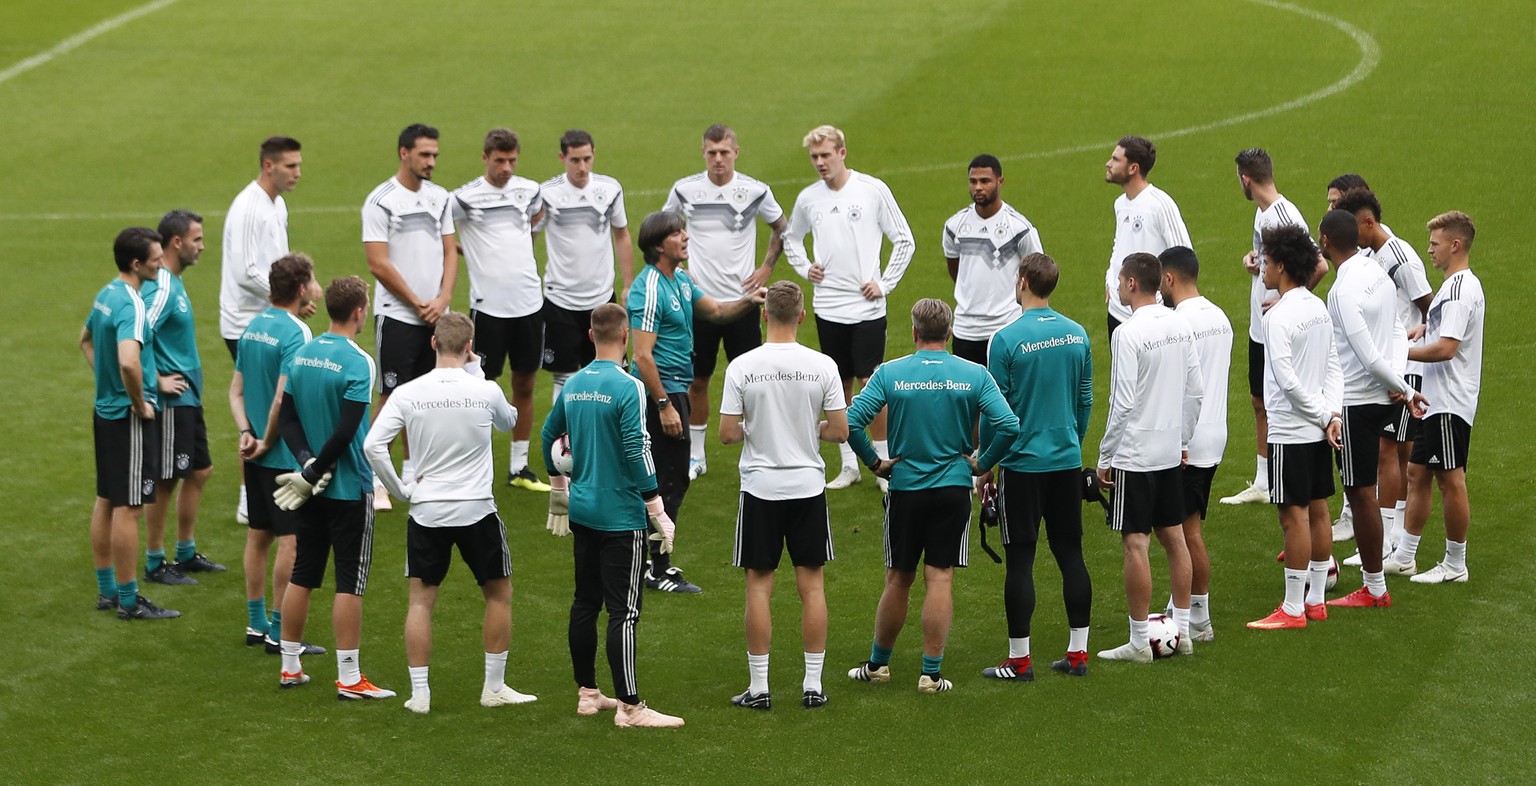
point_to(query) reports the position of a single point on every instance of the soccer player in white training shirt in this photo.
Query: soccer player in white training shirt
(449, 415)
(1146, 218)
(774, 399)
(722, 206)
(983, 244)
(495, 215)
(1154, 404)
(585, 231)
(1303, 395)
(1452, 354)
(846, 213)
(1213, 346)
(1256, 174)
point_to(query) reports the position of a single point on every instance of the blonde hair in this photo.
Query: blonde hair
(1456, 224)
(453, 333)
(821, 134)
(785, 302)
(931, 319)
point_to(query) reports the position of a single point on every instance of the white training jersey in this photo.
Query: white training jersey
(1213, 347)
(1406, 270)
(1280, 213)
(1362, 305)
(722, 229)
(989, 250)
(847, 225)
(1151, 223)
(1303, 386)
(496, 231)
(578, 240)
(780, 391)
(447, 416)
(414, 224)
(255, 236)
(1155, 392)
(1456, 312)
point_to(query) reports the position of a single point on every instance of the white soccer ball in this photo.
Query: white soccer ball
(560, 454)
(1163, 633)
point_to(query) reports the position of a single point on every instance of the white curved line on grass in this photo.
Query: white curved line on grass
(73, 42)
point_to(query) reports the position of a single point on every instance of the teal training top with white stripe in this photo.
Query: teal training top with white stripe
(175, 344)
(603, 410)
(325, 372)
(119, 315)
(267, 348)
(1043, 366)
(934, 399)
(664, 305)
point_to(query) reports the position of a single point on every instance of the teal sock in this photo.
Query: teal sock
(256, 610)
(931, 664)
(153, 559)
(185, 550)
(128, 594)
(277, 625)
(106, 582)
(878, 655)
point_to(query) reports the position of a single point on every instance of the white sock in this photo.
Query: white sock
(1407, 547)
(1200, 609)
(1388, 524)
(1077, 640)
(1456, 555)
(1139, 638)
(1399, 518)
(419, 689)
(1375, 583)
(1018, 648)
(813, 662)
(696, 441)
(495, 671)
(559, 382)
(1181, 620)
(1296, 591)
(348, 672)
(1261, 472)
(519, 456)
(882, 448)
(1348, 511)
(291, 652)
(407, 476)
(757, 667)
(1316, 591)
(849, 459)
(244, 506)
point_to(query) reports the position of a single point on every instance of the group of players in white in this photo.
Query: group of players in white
(993, 404)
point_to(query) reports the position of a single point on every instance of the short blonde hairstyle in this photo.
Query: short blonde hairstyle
(1456, 224)
(785, 302)
(453, 333)
(931, 319)
(821, 134)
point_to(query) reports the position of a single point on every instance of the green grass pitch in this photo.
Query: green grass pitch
(1430, 101)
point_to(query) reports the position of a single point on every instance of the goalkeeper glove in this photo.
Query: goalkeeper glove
(559, 522)
(295, 488)
(656, 517)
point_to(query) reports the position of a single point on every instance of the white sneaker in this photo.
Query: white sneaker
(1202, 631)
(1353, 560)
(505, 696)
(1251, 495)
(1392, 567)
(419, 704)
(1126, 652)
(590, 701)
(845, 478)
(1344, 527)
(696, 469)
(1440, 574)
(1186, 643)
(242, 510)
(381, 502)
(933, 684)
(642, 717)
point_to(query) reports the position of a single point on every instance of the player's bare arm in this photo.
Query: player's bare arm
(438, 306)
(1438, 352)
(760, 276)
(715, 311)
(953, 263)
(624, 252)
(387, 274)
(88, 348)
(731, 431)
(835, 428)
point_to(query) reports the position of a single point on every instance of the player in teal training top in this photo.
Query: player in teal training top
(607, 502)
(934, 400)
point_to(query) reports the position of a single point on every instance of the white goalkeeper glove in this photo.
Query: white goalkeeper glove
(294, 490)
(656, 517)
(559, 522)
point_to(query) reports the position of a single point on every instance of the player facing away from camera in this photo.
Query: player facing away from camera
(934, 400)
(1368, 335)
(1452, 354)
(1146, 218)
(255, 237)
(1256, 175)
(495, 215)
(329, 386)
(1213, 347)
(585, 232)
(1043, 366)
(262, 365)
(607, 502)
(408, 237)
(184, 454)
(449, 414)
(1155, 398)
(847, 213)
(1303, 396)
(663, 305)
(774, 401)
(722, 207)
(1413, 295)
(983, 244)
(116, 341)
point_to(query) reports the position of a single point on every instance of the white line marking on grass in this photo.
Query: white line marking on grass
(1370, 57)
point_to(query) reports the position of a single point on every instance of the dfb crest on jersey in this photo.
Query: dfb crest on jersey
(1001, 230)
(855, 213)
(739, 195)
(1136, 224)
(599, 194)
(519, 197)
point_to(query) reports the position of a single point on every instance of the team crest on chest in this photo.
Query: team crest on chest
(855, 213)
(1136, 224)
(739, 195)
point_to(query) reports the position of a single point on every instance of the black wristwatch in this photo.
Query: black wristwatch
(248, 431)
(663, 403)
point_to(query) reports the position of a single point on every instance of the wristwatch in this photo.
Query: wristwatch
(663, 403)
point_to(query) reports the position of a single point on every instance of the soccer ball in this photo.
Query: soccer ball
(560, 454)
(1333, 575)
(1163, 633)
